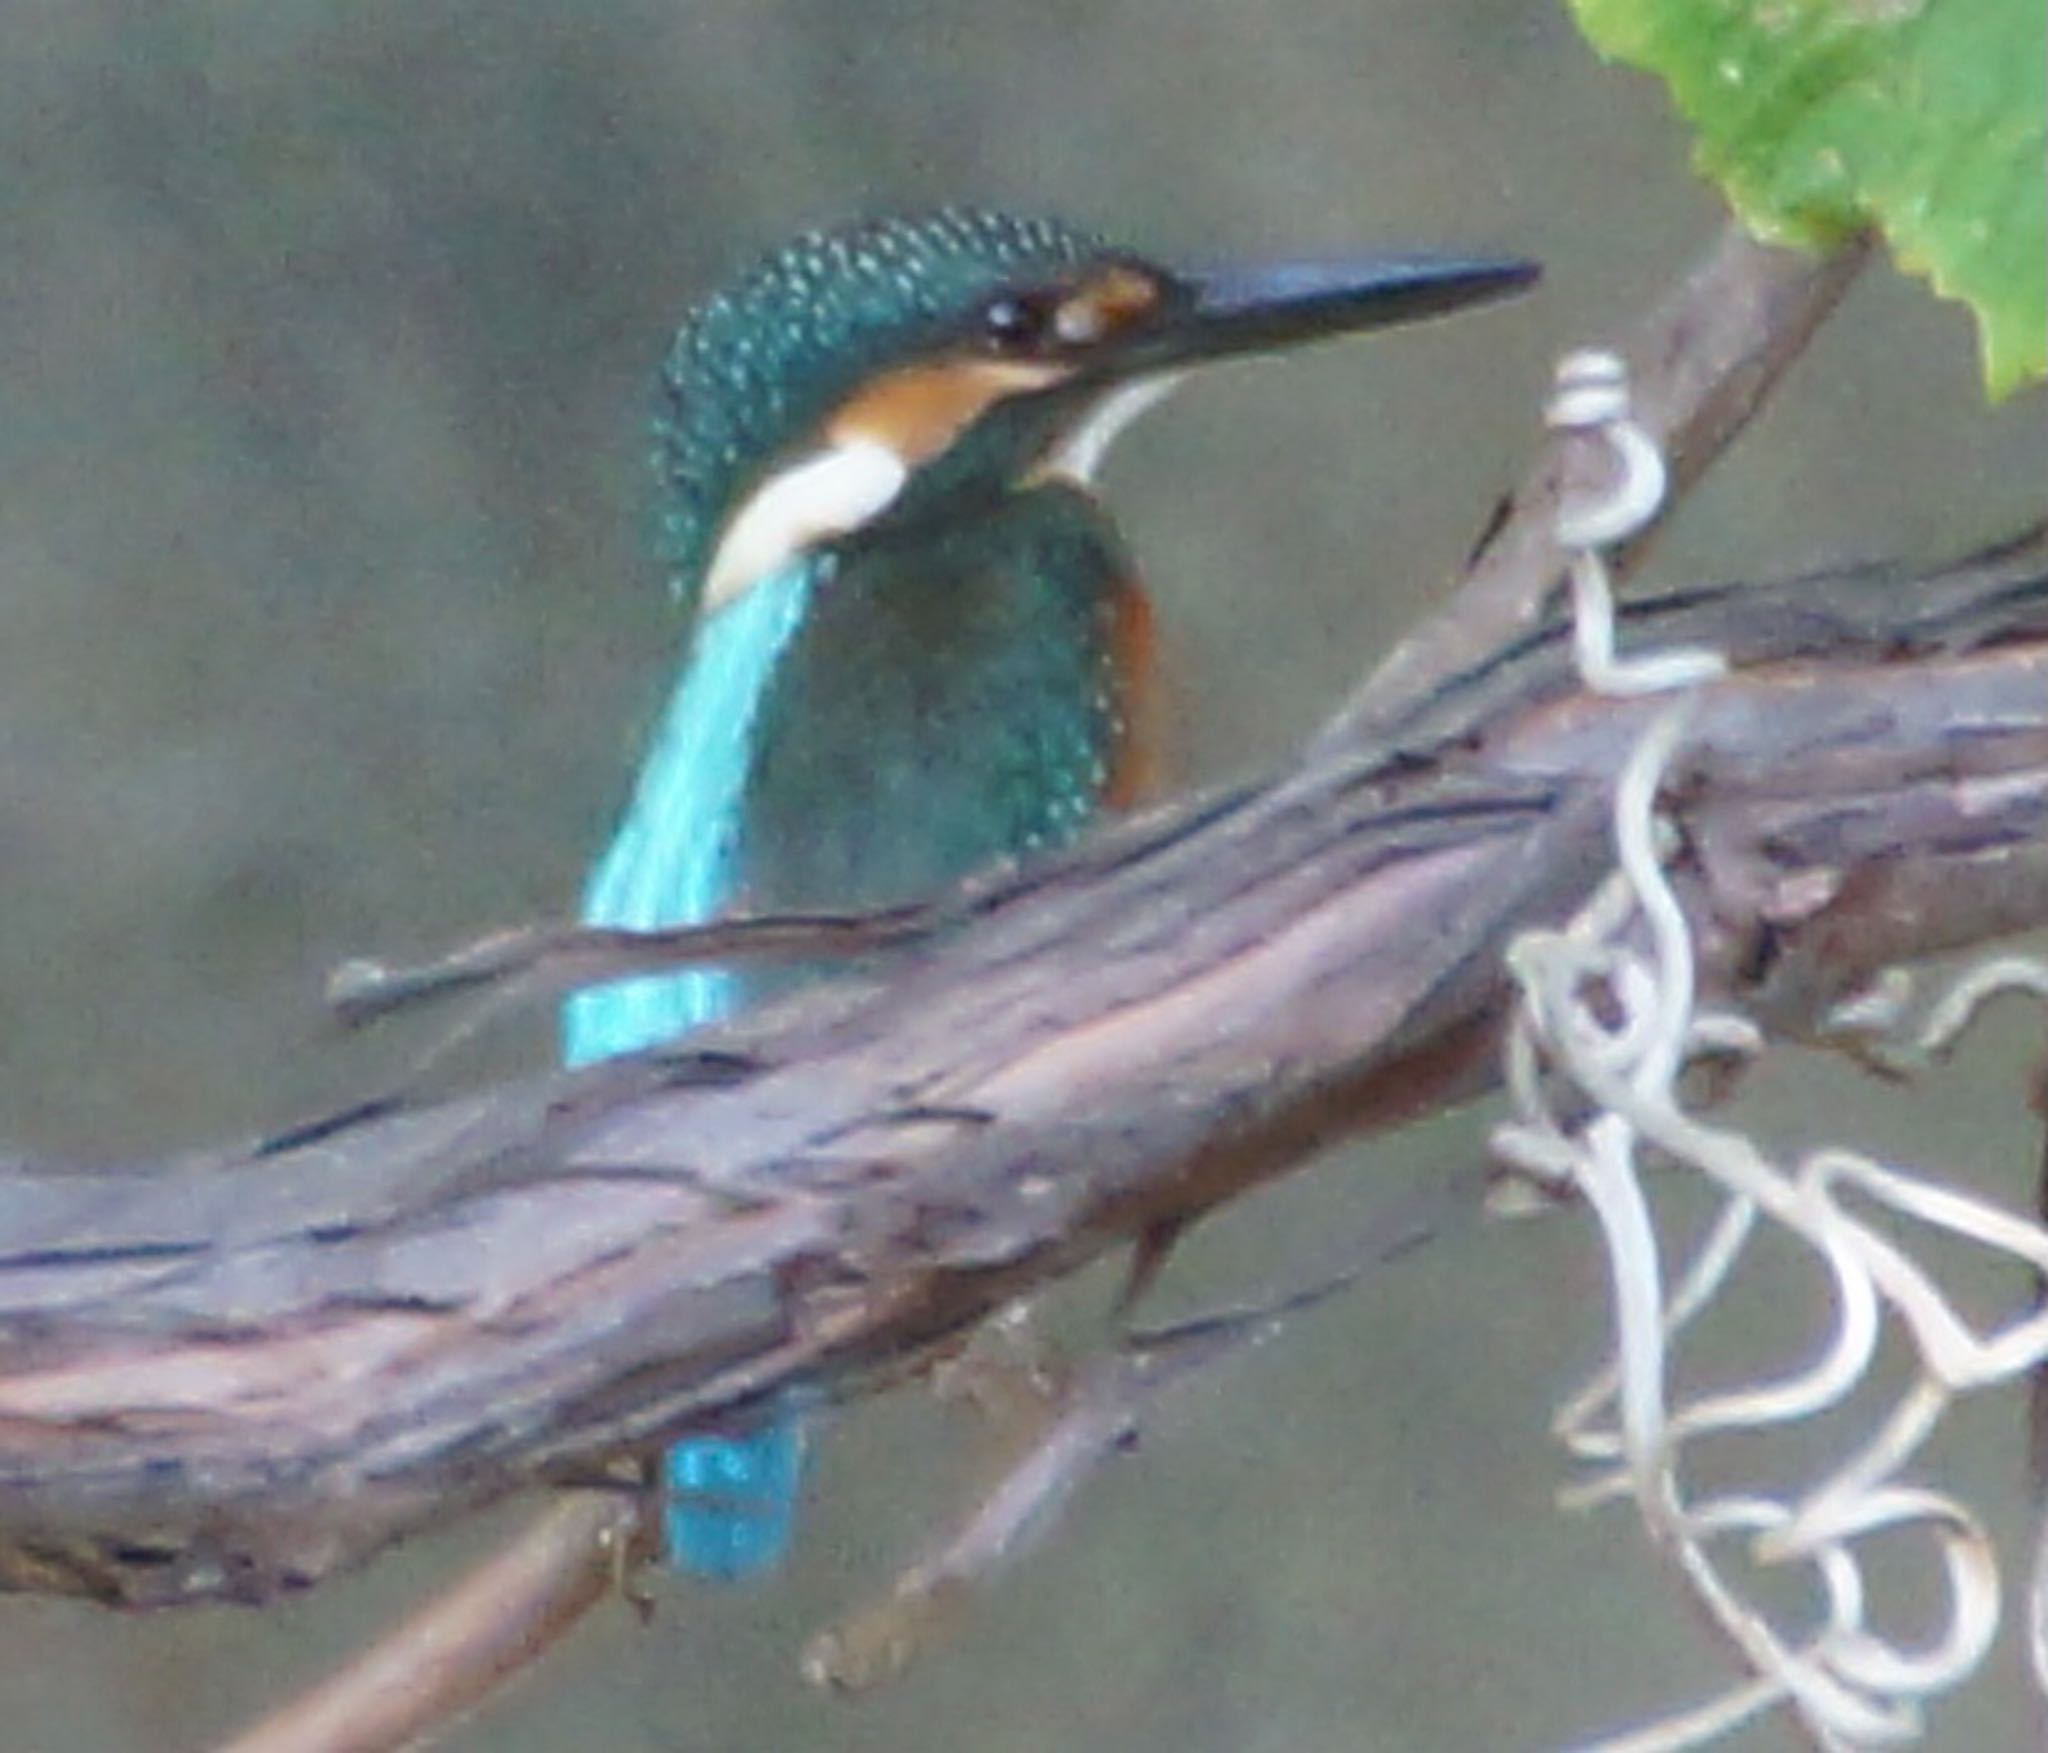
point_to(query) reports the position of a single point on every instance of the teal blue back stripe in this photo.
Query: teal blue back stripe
(673, 858)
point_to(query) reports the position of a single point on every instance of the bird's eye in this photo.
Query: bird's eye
(1014, 325)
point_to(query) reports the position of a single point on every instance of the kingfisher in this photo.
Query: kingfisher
(917, 643)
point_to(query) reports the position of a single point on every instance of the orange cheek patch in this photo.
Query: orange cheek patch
(1112, 301)
(1121, 295)
(919, 410)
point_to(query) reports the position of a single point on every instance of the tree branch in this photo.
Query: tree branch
(230, 1374)
(1704, 362)
(462, 1644)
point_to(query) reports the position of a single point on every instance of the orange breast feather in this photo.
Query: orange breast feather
(1135, 768)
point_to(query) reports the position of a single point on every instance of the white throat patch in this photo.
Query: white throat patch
(828, 493)
(871, 450)
(1078, 456)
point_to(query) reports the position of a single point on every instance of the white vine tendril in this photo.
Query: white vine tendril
(1606, 1021)
(1592, 397)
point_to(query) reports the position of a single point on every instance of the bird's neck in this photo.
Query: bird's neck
(952, 695)
(868, 725)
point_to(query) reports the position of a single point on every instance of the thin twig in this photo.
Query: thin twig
(1095, 1414)
(468, 1641)
(1699, 366)
(509, 970)
(544, 961)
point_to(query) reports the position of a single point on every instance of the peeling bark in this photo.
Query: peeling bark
(229, 1374)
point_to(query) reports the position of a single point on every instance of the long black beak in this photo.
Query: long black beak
(1257, 309)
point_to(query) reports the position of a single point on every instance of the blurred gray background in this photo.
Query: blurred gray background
(326, 627)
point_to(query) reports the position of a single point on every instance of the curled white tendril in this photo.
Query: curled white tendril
(1606, 1022)
(1592, 397)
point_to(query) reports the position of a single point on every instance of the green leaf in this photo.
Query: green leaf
(1927, 119)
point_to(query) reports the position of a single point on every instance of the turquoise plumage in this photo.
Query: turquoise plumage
(729, 1500)
(854, 731)
(864, 725)
(673, 859)
(916, 644)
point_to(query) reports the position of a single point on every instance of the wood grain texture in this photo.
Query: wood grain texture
(228, 1374)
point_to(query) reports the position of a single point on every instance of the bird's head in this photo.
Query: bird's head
(899, 369)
